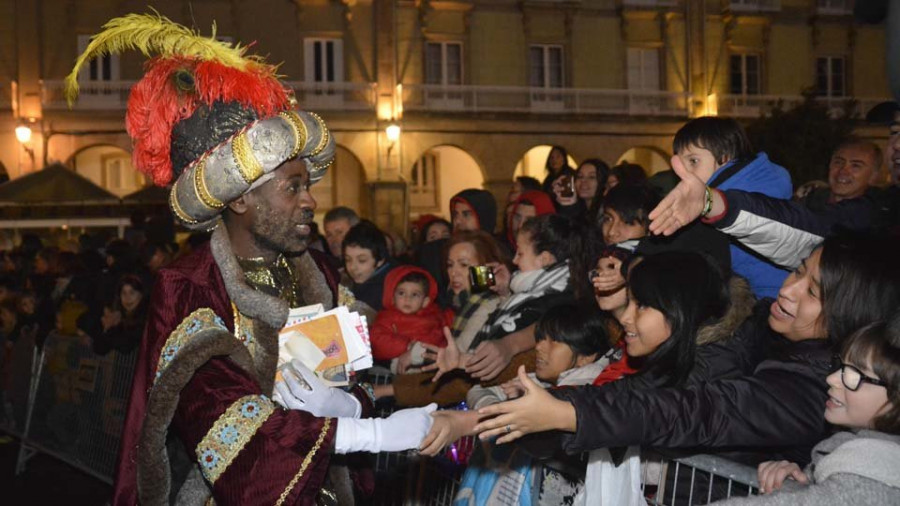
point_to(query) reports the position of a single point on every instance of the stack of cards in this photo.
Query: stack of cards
(334, 344)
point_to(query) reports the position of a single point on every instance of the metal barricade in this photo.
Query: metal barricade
(76, 406)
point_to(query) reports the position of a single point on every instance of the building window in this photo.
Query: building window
(745, 74)
(443, 63)
(324, 60)
(831, 76)
(546, 66)
(423, 184)
(101, 69)
(643, 69)
(755, 5)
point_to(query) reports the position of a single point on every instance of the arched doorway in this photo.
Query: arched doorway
(534, 162)
(440, 173)
(344, 184)
(651, 159)
(109, 167)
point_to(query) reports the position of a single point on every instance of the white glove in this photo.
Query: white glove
(318, 399)
(403, 430)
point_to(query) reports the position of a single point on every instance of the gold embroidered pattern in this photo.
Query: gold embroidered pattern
(176, 207)
(250, 168)
(230, 434)
(243, 330)
(202, 190)
(199, 320)
(323, 141)
(299, 128)
(305, 464)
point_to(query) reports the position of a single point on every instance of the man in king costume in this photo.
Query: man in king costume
(219, 127)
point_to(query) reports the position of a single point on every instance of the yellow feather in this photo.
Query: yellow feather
(154, 33)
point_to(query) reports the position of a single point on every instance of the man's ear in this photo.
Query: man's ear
(425, 302)
(239, 205)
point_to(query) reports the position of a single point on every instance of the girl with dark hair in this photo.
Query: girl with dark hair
(557, 165)
(848, 282)
(123, 321)
(578, 197)
(625, 173)
(858, 466)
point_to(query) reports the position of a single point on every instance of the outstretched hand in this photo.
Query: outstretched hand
(682, 205)
(444, 359)
(536, 411)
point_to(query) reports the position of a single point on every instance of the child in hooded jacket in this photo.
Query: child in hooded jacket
(409, 316)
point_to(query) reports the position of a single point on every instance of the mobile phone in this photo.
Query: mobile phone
(481, 278)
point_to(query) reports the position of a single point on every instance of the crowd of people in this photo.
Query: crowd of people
(703, 309)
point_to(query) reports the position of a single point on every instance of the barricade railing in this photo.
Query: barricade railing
(75, 404)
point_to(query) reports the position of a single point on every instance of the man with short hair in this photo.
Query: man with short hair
(854, 168)
(201, 424)
(337, 222)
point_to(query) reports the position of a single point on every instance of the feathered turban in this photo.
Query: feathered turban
(206, 115)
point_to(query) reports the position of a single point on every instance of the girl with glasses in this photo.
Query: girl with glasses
(858, 466)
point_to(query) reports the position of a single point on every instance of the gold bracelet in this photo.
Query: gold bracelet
(299, 128)
(248, 165)
(202, 190)
(707, 207)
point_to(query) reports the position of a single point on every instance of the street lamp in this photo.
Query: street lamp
(23, 135)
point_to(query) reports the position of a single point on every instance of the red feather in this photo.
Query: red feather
(155, 105)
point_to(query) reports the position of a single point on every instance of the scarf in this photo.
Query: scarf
(525, 288)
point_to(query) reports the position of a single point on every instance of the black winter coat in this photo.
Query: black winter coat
(776, 409)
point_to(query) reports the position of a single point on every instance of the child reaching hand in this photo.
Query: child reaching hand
(409, 316)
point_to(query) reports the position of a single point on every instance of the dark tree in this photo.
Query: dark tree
(802, 138)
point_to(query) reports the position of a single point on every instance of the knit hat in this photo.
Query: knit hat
(207, 116)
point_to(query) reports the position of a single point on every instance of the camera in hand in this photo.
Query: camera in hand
(481, 278)
(566, 187)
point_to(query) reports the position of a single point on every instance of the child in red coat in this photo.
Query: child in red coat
(409, 316)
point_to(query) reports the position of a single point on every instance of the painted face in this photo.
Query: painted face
(586, 181)
(335, 231)
(893, 150)
(851, 171)
(553, 358)
(460, 257)
(699, 161)
(527, 259)
(130, 298)
(410, 297)
(645, 329)
(797, 311)
(523, 211)
(436, 232)
(463, 217)
(615, 230)
(282, 210)
(854, 409)
(360, 263)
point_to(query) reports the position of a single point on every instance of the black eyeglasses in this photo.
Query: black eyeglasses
(853, 378)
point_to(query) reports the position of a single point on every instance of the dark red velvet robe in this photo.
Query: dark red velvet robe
(262, 470)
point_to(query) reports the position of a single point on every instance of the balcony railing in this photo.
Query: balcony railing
(93, 95)
(440, 98)
(650, 3)
(752, 106)
(834, 7)
(754, 5)
(329, 96)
